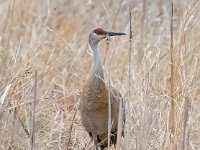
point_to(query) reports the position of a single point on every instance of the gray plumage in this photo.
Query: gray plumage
(94, 98)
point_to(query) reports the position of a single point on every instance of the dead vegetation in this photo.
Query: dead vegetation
(50, 38)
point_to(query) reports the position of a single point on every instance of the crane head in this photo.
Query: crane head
(99, 34)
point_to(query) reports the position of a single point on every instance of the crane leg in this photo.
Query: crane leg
(94, 135)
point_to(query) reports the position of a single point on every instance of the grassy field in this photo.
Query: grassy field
(45, 60)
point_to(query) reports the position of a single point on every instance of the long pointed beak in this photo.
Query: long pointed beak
(115, 33)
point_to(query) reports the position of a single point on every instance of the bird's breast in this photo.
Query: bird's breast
(94, 95)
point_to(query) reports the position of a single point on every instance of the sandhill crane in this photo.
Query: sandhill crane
(95, 98)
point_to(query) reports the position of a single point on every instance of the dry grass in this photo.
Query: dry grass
(51, 37)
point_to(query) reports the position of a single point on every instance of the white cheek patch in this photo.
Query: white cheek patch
(101, 36)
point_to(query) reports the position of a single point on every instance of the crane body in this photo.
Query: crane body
(95, 98)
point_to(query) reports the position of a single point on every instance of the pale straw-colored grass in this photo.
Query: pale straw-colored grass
(38, 110)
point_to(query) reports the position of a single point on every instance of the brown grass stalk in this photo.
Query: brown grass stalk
(127, 102)
(32, 138)
(172, 110)
(120, 125)
(185, 139)
(109, 100)
(70, 131)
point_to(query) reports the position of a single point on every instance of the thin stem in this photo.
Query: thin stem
(129, 84)
(33, 112)
(172, 104)
(70, 131)
(109, 101)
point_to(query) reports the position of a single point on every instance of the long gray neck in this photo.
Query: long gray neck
(97, 68)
